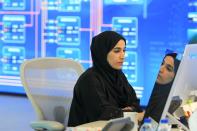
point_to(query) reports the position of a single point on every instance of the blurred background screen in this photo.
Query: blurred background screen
(64, 28)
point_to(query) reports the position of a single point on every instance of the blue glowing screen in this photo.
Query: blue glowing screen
(64, 28)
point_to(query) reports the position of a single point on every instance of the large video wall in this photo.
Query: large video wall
(64, 28)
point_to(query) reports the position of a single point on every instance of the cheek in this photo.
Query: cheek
(172, 76)
(110, 59)
(169, 76)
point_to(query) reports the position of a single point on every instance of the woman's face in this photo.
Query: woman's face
(166, 72)
(116, 56)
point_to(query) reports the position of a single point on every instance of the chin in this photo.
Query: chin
(162, 82)
(159, 82)
(118, 68)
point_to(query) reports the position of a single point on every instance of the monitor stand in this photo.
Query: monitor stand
(173, 120)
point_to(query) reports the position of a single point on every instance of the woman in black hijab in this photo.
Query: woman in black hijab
(162, 86)
(102, 92)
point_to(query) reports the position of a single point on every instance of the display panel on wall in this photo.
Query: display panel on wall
(64, 28)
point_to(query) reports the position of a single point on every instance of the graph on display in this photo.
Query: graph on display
(64, 28)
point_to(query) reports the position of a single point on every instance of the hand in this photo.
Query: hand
(127, 109)
(140, 116)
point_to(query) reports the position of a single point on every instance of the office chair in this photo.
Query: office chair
(49, 83)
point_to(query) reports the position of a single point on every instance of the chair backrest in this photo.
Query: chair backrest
(49, 84)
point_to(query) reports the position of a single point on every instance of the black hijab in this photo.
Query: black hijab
(101, 45)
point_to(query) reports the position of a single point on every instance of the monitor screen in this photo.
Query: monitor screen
(184, 86)
(162, 86)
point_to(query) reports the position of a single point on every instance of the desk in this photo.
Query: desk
(118, 123)
(99, 125)
(92, 126)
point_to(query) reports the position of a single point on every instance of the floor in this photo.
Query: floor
(16, 113)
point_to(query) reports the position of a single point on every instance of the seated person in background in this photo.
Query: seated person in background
(102, 92)
(162, 86)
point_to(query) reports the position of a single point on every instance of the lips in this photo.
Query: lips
(159, 76)
(120, 63)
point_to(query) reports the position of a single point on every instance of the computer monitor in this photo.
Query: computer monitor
(184, 83)
(162, 87)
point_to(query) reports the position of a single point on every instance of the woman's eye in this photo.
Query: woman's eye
(116, 50)
(169, 69)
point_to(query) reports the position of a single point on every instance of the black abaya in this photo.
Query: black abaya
(101, 92)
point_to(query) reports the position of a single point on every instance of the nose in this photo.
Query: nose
(161, 68)
(122, 55)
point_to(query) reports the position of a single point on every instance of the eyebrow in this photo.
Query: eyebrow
(118, 48)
